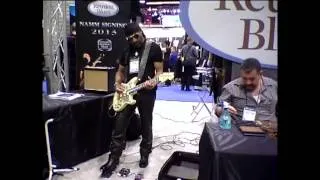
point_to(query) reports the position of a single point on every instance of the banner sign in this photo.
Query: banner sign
(100, 35)
(234, 29)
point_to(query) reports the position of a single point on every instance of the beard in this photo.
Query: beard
(135, 45)
(250, 87)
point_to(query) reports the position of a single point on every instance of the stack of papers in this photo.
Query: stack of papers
(65, 96)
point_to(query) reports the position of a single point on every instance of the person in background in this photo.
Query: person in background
(252, 92)
(189, 56)
(215, 84)
(87, 62)
(71, 40)
(173, 59)
(166, 56)
(178, 67)
(203, 61)
(73, 29)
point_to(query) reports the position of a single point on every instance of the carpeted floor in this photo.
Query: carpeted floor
(174, 93)
(44, 87)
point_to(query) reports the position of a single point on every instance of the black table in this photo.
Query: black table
(228, 155)
(81, 129)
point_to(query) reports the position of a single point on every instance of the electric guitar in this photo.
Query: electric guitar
(120, 101)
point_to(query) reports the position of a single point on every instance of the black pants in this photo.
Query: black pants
(177, 70)
(186, 77)
(166, 65)
(145, 104)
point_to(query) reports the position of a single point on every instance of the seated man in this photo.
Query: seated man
(252, 93)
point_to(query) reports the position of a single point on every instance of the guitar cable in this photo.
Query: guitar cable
(109, 110)
(168, 145)
(165, 118)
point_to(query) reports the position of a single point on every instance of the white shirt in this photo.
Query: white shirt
(257, 98)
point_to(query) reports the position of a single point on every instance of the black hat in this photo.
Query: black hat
(131, 28)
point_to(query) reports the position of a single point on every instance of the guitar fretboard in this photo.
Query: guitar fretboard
(142, 85)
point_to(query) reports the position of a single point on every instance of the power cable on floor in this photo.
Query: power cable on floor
(165, 118)
(168, 145)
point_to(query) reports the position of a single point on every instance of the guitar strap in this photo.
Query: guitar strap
(144, 60)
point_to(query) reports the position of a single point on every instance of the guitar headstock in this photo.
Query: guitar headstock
(165, 76)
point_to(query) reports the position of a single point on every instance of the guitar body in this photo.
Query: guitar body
(120, 101)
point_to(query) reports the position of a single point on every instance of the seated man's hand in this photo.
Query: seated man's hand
(232, 110)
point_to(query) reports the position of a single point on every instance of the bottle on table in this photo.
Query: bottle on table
(225, 118)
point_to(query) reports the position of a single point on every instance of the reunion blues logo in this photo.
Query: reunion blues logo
(103, 8)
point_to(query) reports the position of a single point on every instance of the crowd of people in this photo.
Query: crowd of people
(183, 62)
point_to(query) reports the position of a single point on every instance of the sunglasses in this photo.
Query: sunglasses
(135, 36)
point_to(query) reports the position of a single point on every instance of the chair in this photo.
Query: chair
(202, 94)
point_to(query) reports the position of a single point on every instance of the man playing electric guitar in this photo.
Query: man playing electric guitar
(129, 67)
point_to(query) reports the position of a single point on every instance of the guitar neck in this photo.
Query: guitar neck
(143, 85)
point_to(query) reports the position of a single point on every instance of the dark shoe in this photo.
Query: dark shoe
(182, 88)
(143, 161)
(105, 174)
(110, 166)
(188, 89)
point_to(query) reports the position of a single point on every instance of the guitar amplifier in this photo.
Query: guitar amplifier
(98, 79)
(181, 165)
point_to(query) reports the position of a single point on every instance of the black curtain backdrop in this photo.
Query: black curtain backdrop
(100, 36)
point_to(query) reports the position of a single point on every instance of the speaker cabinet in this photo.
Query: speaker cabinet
(181, 165)
(96, 79)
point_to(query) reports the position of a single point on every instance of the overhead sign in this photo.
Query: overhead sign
(100, 38)
(103, 8)
(235, 29)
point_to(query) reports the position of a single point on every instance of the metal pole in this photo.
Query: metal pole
(52, 167)
(49, 148)
(55, 45)
(65, 48)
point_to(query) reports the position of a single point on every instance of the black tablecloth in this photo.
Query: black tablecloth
(228, 155)
(81, 129)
